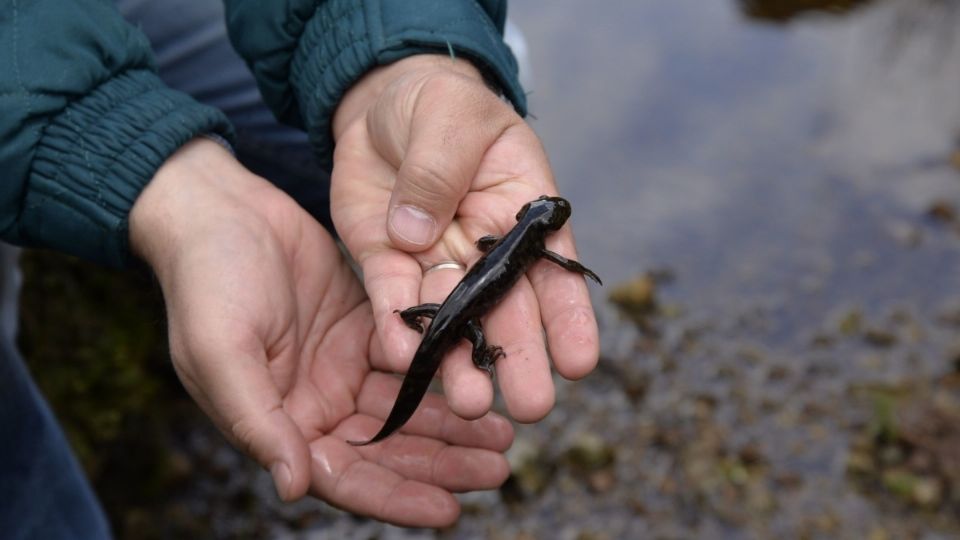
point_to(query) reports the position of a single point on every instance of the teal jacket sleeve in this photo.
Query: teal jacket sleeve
(84, 124)
(305, 54)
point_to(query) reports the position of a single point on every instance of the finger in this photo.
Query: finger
(433, 417)
(567, 313)
(247, 407)
(469, 390)
(524, 373)
(392, 280)
(344, 479)
(428, 460)
(453, 123)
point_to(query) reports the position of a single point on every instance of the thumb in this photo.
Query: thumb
(272, 438)
(243, 401)
(454, 121)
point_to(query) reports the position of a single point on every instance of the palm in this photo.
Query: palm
(294, 325)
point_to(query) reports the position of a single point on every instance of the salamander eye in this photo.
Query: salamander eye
(523, 211)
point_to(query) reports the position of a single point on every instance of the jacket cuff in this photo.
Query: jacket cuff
(98, 154)
(346, 38)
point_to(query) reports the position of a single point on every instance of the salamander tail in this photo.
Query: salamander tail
(411, 393)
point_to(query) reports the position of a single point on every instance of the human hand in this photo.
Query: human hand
(272, 335)
(428, 160)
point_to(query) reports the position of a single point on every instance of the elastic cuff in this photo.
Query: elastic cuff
(96, 157)
(221, 140)
(347, 38)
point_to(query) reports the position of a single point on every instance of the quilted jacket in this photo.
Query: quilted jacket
(85, 121)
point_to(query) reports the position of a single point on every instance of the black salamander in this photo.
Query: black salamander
(504, 261)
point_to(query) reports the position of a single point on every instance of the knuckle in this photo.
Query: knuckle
(428, 180)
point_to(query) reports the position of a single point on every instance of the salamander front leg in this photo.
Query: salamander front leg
(486, 243)
(411, 316)
(484, 356)
(570, 265)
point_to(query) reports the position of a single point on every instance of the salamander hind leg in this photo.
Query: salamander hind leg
(411, 316)
(570, 265)
(488, 358)
(484, 356)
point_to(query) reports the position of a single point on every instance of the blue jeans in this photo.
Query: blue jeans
(43, 491)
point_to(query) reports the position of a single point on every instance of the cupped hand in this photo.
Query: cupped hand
(427, 161)
(273, 336)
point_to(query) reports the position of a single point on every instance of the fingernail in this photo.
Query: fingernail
(413, 224)
(281, 478)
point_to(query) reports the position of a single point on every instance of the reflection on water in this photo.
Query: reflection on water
(746, 156)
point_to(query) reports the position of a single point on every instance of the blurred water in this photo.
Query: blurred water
(755, 160)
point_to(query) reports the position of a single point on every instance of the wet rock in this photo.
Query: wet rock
(787, 480)
(530, 472)
(179, 467)
(822, 341)
(950, 316)
(591, 459)
(751, 455)
(942, 211)
(637, 300)
(778, 373)
(860, 462)
(850, 323)
(954, 357)
(879, 337)
(589, 453)
(919, 490)
(633, 381)
(911, 447)
(933, 427)
(589, 535)
(636, 295)
(601, 481)
(826, 522)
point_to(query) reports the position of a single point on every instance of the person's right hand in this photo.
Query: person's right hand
(273, 336)
(428, 160)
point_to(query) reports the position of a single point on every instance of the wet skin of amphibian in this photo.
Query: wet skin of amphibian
(504, 261)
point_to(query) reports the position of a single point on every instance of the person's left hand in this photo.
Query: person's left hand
(427, 161)
(272, 335)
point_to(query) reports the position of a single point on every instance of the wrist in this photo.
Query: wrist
(199, 187)
(371, 86)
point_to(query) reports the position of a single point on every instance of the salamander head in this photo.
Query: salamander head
(550, 212)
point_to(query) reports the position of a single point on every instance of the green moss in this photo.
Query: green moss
(95, 342)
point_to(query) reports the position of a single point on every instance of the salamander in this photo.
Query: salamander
(504, 261)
